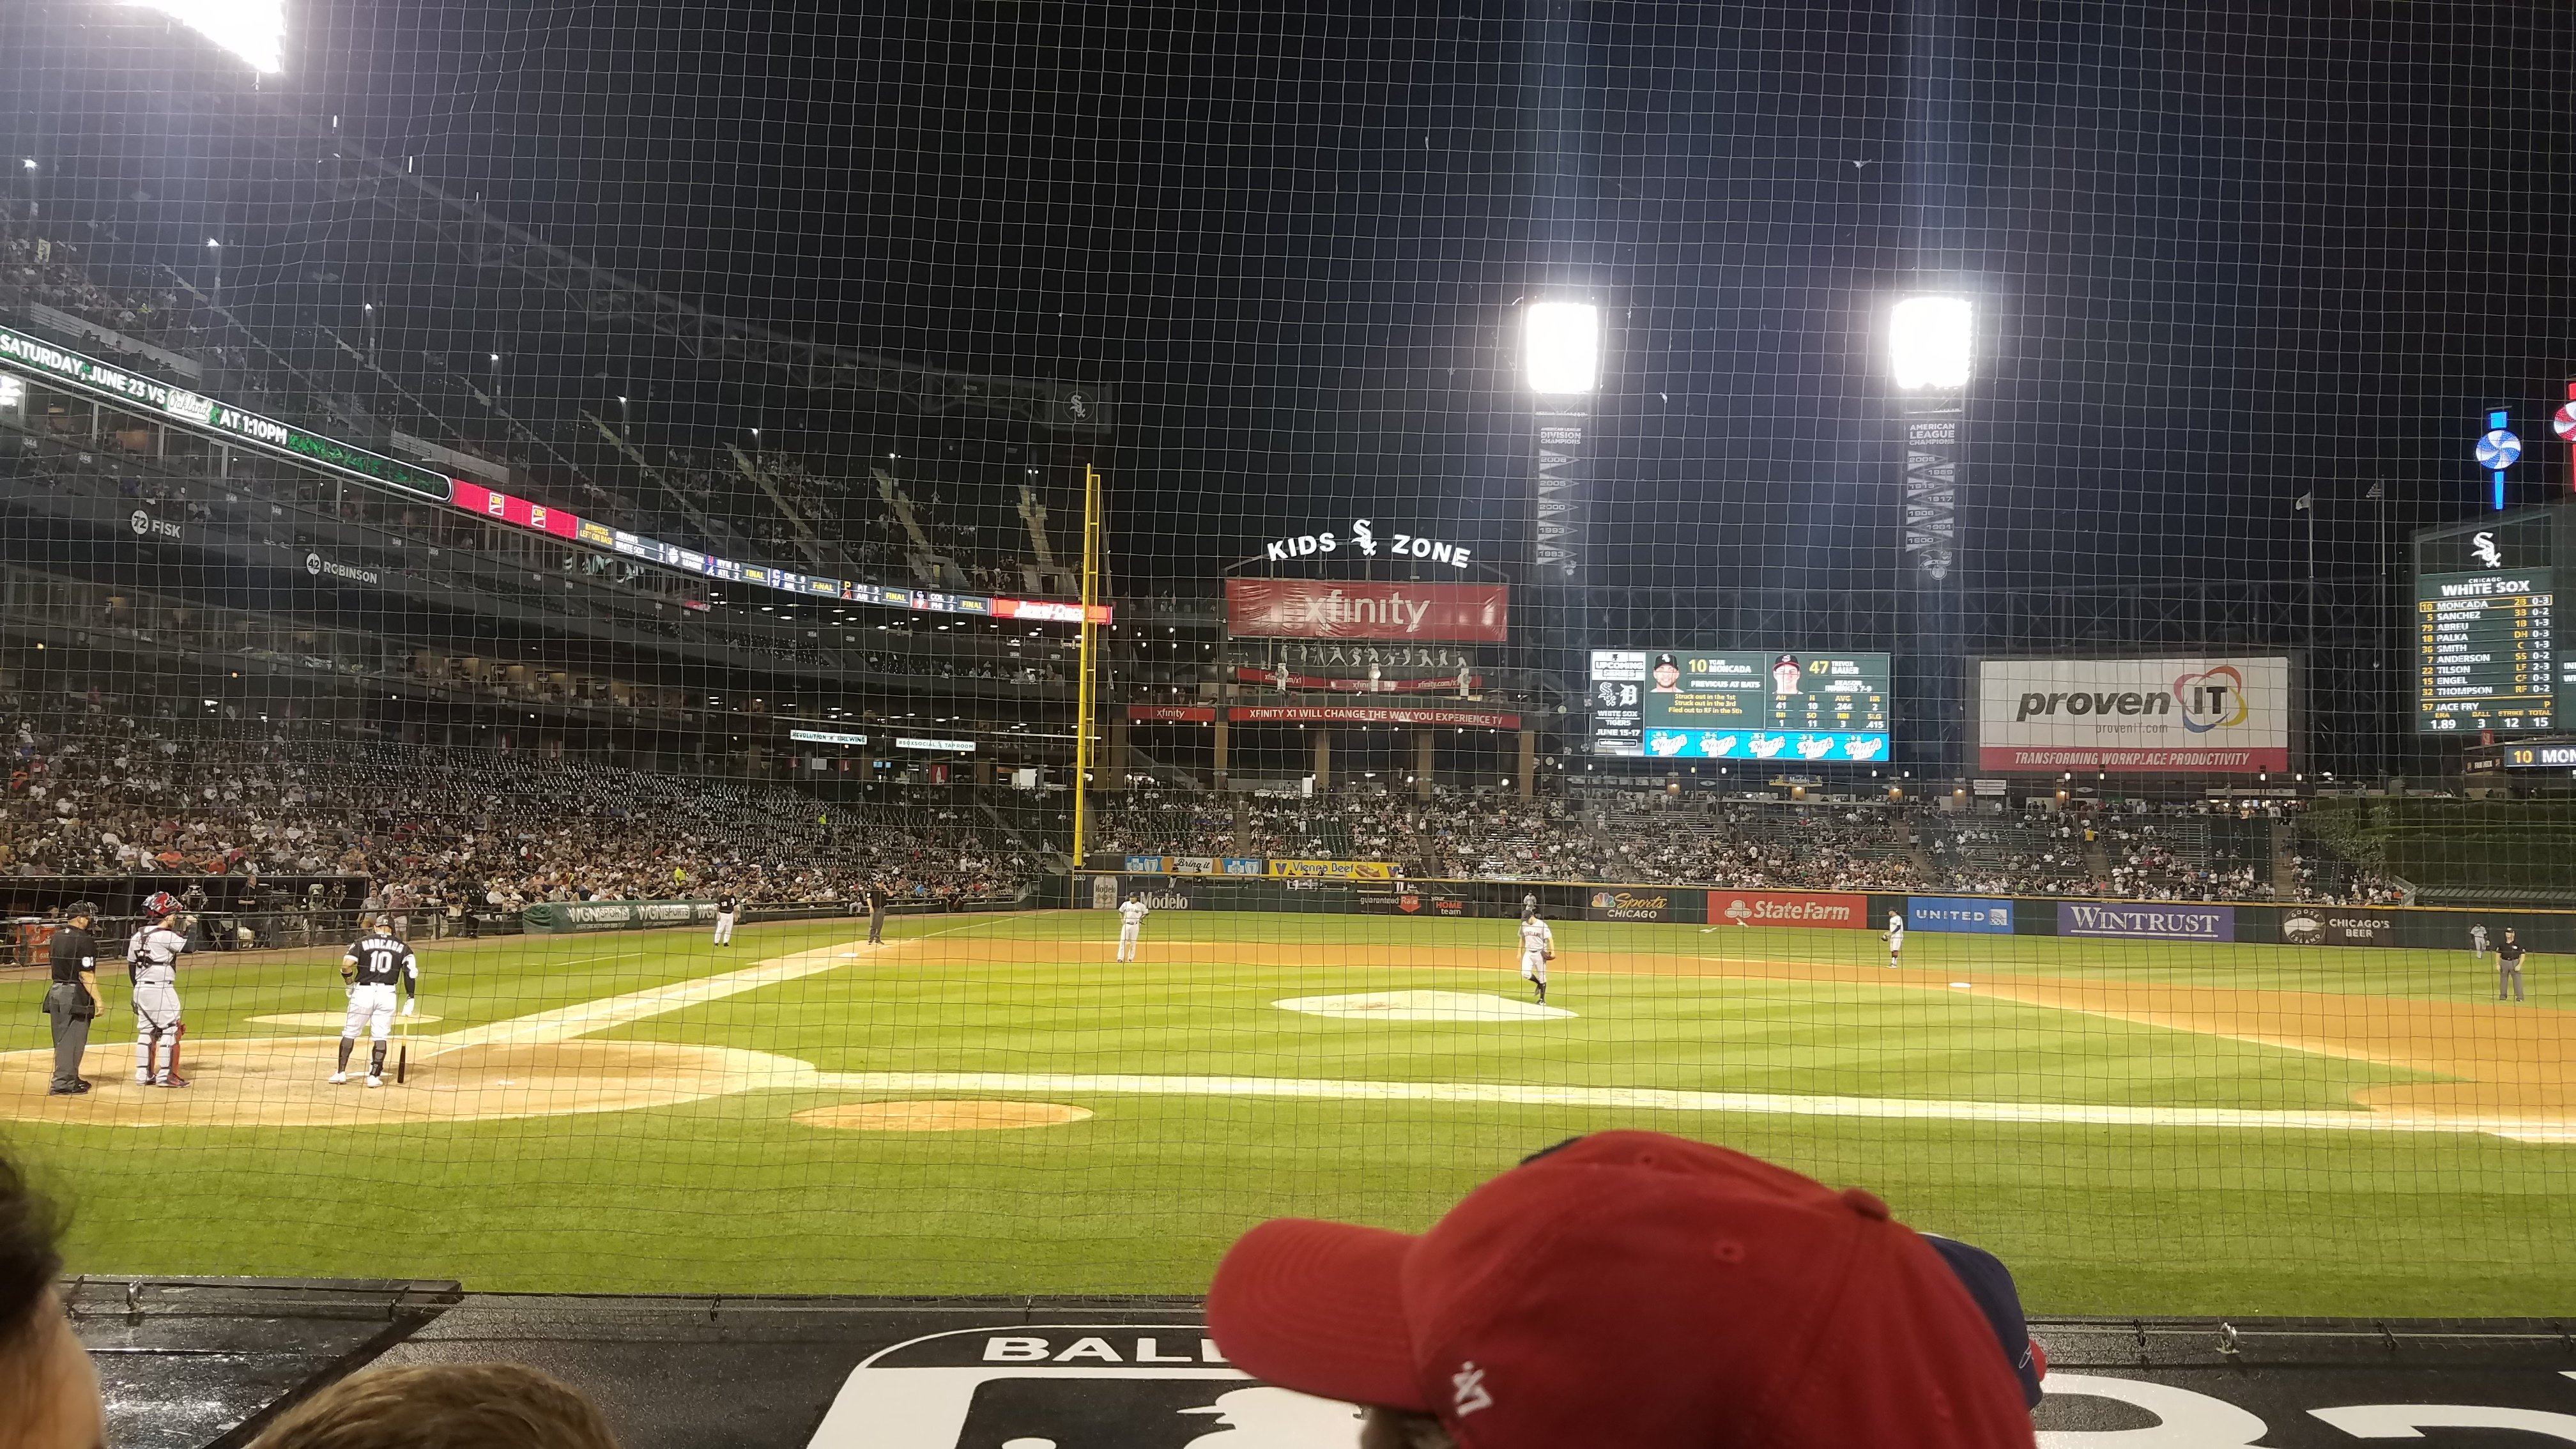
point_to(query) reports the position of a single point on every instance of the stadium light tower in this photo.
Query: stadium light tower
(1561, 359)
(1561, 348)
(1931, 358)
(252, 30)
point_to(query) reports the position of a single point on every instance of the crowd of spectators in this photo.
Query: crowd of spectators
(96, 791)
(2169, 853)
(48, 270)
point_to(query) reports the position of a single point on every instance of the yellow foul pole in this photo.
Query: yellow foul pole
(1084, 698)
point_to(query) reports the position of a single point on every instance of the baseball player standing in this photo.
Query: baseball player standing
(727, 906)
(2478, 943)
(876, 898)
(153, 957)
(2509, 966)
(1538, 947)
(1131, 924)
(72, 999)
(375, 968)
(1895, 940)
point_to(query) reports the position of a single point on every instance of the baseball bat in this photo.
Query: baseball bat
(402, 1052)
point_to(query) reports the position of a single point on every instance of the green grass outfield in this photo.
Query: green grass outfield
(729, 1194)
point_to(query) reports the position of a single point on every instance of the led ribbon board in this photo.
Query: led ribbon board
(74, 372)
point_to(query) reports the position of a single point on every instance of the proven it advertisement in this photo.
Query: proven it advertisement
(2203, 716)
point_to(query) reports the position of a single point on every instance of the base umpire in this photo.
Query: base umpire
(72, 1000)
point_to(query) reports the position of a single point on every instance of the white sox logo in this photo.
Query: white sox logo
(1467, 1390)
(2483, 545)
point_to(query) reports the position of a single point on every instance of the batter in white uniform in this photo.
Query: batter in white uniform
(154, 954)
(378, 967)
(1538, 947)
(1131, 919)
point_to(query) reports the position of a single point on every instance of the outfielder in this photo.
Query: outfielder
(374, 968)
(727, 906)
(1538, 947)
(152, 956)
(1895, 940)
(1131, 919)
(2478, 943)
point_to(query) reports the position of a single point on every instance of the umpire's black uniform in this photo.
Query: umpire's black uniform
(876, 913)
(72, 1001)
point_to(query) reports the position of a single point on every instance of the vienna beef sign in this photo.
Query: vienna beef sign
(2207, 716)
(1403, 613)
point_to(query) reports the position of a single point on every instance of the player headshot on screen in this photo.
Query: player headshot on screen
(1785, 674)
(1668, 675)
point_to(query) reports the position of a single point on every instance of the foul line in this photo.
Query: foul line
(1676, 1100)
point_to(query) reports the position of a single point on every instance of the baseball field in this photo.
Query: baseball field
(994, 1105)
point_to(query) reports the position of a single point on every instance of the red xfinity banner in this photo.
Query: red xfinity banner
(1787, 908)
(1390, 714)
(1325, 609)
(1172, 713)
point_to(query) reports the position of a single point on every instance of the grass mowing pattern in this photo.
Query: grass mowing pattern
(730, 1195)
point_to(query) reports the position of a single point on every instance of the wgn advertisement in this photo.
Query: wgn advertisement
(2205, 716)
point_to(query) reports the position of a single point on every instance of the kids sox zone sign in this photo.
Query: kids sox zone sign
(1362, 537)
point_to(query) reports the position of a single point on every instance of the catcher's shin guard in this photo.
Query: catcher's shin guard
(178, 1038)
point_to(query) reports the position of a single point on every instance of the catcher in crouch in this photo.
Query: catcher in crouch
(373, 968)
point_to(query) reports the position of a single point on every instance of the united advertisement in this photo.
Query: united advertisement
(2184, 715)
(1972, 915)
(1345, 609)
(1835, 911)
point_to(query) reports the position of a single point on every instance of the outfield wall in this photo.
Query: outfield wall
(2411, 927)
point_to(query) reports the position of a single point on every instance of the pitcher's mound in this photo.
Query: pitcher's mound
(940, 1116)
(284, 1082)
(332, 1019)
(1422, 1006)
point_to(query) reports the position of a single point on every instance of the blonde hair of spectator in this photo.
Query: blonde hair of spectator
(444, 1406)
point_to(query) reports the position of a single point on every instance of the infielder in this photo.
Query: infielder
(2478, 943)
(726, 908)
(373, 969)
(2509, 966)
(152, 956)
(1538, 947)
(1895, 940)
(1131, 924)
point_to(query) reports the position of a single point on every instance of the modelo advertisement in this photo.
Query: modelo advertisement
(1635, 905)
(2343, 926)
(1972, 915)
(1788, 908)
(2158, 922)
(2206, 716)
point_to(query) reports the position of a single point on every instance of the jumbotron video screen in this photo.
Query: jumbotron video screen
(1791, 705)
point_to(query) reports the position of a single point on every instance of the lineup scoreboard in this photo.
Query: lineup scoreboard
(2487, 652)
(1792, 705)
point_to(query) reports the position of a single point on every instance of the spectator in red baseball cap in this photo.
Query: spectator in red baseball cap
(1638, 1290)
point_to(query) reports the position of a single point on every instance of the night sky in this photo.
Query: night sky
(2226, 257)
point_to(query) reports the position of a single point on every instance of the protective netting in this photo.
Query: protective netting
(1962, 564)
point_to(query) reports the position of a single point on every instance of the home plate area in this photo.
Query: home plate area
(1422, 1006)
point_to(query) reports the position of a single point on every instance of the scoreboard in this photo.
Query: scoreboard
(2487, 653)
(1791, 705)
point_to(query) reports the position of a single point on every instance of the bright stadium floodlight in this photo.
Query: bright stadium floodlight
(1930, 341)
(1561, 348)
(254, 30)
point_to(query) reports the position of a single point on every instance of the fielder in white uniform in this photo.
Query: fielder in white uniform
(154, 954)
(1538, 947)
(1895, 940)
(728, 906)
(1131, 924)
(2478, 944)
(376, 968)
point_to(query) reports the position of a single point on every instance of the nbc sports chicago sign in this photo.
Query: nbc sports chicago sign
(2213, 716)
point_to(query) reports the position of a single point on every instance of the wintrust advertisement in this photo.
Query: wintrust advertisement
(2147, 922)
(1788, 908)
(2215, 716)
(1345, 609)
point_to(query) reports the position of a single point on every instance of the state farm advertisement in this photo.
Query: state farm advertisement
(1325, 609)
(2203, 716)
(1788, 908)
